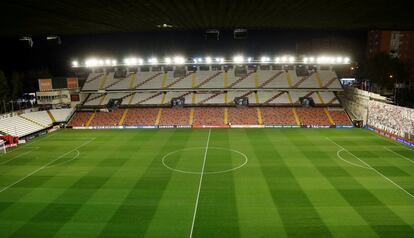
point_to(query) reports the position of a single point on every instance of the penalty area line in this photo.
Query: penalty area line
(44, 166)
(373, 169)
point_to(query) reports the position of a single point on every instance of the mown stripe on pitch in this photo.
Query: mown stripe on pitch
(366, 204)
(217, 213)
(135, 214)
(58, 212)
(296, 211)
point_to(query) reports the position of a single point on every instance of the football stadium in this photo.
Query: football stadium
(299, 144)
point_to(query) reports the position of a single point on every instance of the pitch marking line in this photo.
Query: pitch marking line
(44, 166)
(399, 155)
(199, 185)
(373, 169)
(165, 158)
(338, 153)
(20, 155)
(67, 161)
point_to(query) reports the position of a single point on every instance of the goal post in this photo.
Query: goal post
(2, 147)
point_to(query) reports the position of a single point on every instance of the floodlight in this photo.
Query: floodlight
(113, 62)
(284, 59)
(264, 59)
(75, 63)
(277, 60)
(238, 59)
(346, 60)
(167, 60)
(107, 62)
(312, 59)
(291, 59)
(179, 60)
(208, 60)
(153, 60)
(339, 60)
(140, 61)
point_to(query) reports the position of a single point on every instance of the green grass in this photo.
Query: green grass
(112, 183)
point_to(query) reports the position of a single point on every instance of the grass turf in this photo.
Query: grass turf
(296, 183)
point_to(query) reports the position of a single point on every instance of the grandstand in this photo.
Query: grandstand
(250, 181)
(211, 91)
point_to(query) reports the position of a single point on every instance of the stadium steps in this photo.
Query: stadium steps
(295, 114)
(102, 99)
(209, 98)
(330, 82)
(289, 79)
(208, 79)
(191, 117)
(259, 116)
(124, 115)
(151, 97)
(158, 119)
(132, 80)
(256, 80)
(256, 95)
(51, 116)
(147, 80)
(178, 80)
(226, 79)
(318, 79)
(303, 79)
(33, 121)
(194, 79)
(102, 85)
(270, 79)
(329, 116)
(320, 98)
(240, 79)
(273, 98)
(90, 119)
(226, 116)
(193, 98)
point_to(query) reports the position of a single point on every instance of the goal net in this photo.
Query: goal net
(2, 147)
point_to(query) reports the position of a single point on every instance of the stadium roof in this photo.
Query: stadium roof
(64, 17)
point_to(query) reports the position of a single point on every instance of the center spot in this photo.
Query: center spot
(218, 160)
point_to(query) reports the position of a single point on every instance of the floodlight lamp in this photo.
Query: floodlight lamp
(167, 60)
(238, 59)
(75, 63)
(179, 60)
(208, 60)
(153, 60)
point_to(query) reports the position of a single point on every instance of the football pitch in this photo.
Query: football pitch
(208, 183)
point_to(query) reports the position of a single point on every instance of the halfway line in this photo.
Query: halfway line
(199, 185)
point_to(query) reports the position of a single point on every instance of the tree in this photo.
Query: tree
(384, 70)
(16, 85)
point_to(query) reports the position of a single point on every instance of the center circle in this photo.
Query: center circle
(218, 160)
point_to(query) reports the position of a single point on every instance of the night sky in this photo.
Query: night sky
(18, 56)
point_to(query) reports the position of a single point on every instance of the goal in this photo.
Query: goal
(2, 147)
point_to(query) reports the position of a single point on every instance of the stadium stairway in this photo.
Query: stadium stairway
(51, 116)
(178, 80)
(33, 121)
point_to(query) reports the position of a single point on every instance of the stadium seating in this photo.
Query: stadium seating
(313, 116)
(141, 116)
(340, 117)
(61, 115)
(242, 116)
(206, 116)
(175, 116)
(107, 118)
(277, 116)
(80, 119)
